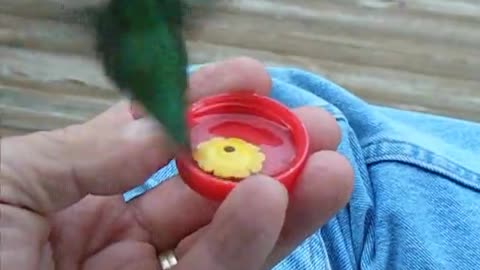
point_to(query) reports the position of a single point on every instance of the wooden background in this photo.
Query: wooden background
(421, 55)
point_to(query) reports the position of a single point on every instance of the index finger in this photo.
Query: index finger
(241, 73)
(234, 74)
(244, 230)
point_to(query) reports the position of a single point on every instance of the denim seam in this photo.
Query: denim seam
(391, 150)
(385, 145)
(327, 262)
(335, 223)
(358, 157)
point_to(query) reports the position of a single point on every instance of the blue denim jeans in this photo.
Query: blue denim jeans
(416, 197)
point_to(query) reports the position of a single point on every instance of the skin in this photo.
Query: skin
(61, 205)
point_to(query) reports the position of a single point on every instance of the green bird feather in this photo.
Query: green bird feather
(143, 52)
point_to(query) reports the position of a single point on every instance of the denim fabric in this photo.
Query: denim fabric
(415, 203)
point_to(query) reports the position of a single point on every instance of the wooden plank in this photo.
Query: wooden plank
(68, 10)
(48, 68)
(464, 9)
(347, 44)
(400, 89)
(421, 54)
(9, 132)
(32, 110)
(443, 62)
(460, 9)
(323, 15)
(62, 105)
(43, 34)
(25, 119)
(39, 90)
(436, 95)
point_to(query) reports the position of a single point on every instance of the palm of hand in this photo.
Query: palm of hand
(101, 233)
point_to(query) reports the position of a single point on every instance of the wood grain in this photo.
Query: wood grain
(421, 55)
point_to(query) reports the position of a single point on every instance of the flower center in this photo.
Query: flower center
(229, 158)
(229, 149)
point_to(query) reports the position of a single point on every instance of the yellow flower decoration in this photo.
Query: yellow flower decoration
(229, 157)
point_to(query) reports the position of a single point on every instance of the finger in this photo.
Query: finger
(322, 128)
(139, 146)
(136, 110)
(234, 74)
(171, 212)
(124, 255)
(325, 187)
(23, 236)
(114, 117)
(244, 229)
(48, 171)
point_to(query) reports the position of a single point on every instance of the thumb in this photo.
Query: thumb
(48, 171)
(244, 230)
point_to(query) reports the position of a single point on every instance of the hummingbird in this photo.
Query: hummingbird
(141, 47)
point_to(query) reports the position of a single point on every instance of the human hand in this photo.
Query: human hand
(61, 205)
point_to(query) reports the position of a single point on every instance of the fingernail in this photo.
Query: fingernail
(135, 111)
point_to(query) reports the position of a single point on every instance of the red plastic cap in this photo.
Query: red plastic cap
(257, 119)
